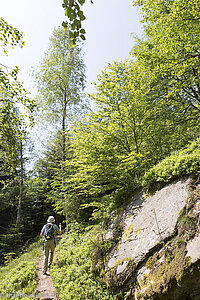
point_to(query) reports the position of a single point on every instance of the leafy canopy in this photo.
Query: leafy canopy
(60, 78)
(170, 47)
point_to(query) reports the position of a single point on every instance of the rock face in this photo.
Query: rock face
(154, 251)
(149, 221)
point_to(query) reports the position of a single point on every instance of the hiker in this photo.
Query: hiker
(49, 232)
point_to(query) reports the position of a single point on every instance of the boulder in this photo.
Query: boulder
(159, 244)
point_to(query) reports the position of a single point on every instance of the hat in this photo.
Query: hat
(50, 219)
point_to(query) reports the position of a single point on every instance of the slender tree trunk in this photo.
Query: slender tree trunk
(19, 208)
(64, 151)
(64, 127)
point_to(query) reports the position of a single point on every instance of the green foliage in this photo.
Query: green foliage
(180, 163)
(109, 151)
(100, 212)
(146, 108)
(71, 272)
(75, 18)
(10, 241)
(60, 80)
(106, 143)
(12, 132)
(9, 36)
(124, 137)
(169, 50)
(17, 198)
(12, 93)
(18, 277)
(187, 226)
(53, 174)
(10, 120)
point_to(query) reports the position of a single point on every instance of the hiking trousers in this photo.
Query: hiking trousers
(49, 247)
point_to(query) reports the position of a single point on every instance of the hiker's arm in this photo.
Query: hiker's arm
(59, 230)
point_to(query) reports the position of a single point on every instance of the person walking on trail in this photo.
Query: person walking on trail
(49, 232)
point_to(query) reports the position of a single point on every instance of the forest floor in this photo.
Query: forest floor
(45, 287)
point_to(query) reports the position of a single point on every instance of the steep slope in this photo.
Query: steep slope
(146, 250)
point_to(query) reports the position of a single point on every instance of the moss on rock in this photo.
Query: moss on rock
(127, 232)
(119, 273)
(165, 266)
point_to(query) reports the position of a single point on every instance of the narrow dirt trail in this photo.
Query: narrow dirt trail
(45, 287)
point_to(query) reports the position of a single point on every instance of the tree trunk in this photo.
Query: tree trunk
(21, 186)
(64, 151)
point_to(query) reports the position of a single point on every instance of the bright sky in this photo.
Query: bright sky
(109, 24)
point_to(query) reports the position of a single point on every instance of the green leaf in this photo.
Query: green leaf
(82, 37)
(82, 31)
(81, 15)
(64, 24)
(81, 2)
(77, 23)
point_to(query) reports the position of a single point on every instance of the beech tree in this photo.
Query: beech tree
(131, 130)
(169, 49)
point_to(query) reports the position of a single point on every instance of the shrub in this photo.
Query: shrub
(180, 163)
(71, 271)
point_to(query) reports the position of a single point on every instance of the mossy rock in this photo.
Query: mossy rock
(165, 267)
(115, 278)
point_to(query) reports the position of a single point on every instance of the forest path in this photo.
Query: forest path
(45, 287)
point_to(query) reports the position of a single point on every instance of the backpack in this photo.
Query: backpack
(49, 231)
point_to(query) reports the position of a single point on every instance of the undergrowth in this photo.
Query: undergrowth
(180, 163)
(18, 276)
(71, 271)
